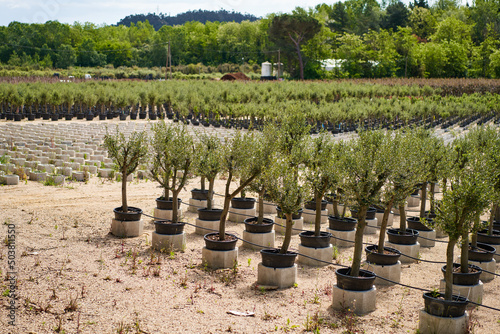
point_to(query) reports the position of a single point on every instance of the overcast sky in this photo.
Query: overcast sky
(111, 11)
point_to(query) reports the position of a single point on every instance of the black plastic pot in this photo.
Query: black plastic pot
(199, 194)
(89, 117)
(133, 115)
(206, 214)
(430, 214)
(163, 204)
(342, 224)
(272, 258)
(483, 253)
(252, 226)
(123, 117)
(363, 282)
(415, 224)
(133, 214)
(408, 238)
(168, 227)
(370, 213)
(444, 308)
(494, 239)
(227, 244)
(389, 257)
(311, 205)
(142, 115)
(308, 239)
(297, 215)
(243, 203)
(470, 278)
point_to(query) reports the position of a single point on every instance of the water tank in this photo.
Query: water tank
(267, 70)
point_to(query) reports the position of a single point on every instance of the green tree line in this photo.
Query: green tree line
(368, 39)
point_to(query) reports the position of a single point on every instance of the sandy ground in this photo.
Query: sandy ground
(74, 276)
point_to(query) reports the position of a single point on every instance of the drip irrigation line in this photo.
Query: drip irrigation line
(343, 266)
(490, 272)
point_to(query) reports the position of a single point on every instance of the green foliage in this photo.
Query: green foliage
(128, 152)
(172, 150)
(291, 31)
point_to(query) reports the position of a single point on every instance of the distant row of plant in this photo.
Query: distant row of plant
(319, 101)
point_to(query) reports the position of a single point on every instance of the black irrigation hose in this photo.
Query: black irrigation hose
(340, 265)
(377, 227)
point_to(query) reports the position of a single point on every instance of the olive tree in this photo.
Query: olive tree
(321, 172)
(466, 198)
(208, 162)
(172, 152)
(128, 152)
(366, 169)
(243, 156)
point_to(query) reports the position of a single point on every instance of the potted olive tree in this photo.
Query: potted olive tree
(366, 170)
(468, 196)
(488, 140)
(321, 174)
(127, 152)
(285, 187)
(241, 156)
(407, 171)
(207, 165)
(172, 152)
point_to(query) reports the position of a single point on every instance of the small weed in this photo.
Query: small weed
(313, 324)
(249, 261)
(72, 304)
(288, 326)
(267, 316)
(59, 327)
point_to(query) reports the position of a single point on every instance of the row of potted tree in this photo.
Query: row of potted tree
(285, 165)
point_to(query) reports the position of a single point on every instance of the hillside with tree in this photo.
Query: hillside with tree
(203, 16)
(365, 39)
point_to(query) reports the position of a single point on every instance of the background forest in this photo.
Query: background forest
(367, 38)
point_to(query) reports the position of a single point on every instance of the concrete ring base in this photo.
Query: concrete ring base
(206, 226)
(360, 302)
(126, 229)
(161, 214)
(195, 204)
(489, 266)
(392, 272)
(280, 277)
(166, 242)
(413, 201)
(440, 233)
(411, 250)
(9, 180)
(298, 224)
(345, 238)
(219, 259)
(371, 226)
(431, 324)
(310, 216)
(264, 239)
(323, 254)
(472, 292)
(429, 235)
(496, 257)
(380, 217)
(239, 215)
